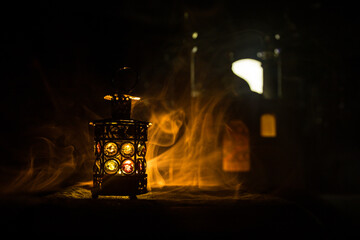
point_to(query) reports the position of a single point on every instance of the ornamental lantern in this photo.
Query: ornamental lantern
(120, 149)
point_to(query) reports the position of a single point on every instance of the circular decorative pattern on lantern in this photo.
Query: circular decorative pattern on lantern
(110, 149)
(128, 166)
(111, 166)
(127, 149)
(141, 149)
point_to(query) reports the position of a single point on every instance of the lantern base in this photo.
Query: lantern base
(119, 185)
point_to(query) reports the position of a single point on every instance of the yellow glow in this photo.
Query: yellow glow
(108, 97)
(111, 166)
(127, 149)
(132, 97)
(268, 125)
(194, 49)
(110, 149)
(251, 71)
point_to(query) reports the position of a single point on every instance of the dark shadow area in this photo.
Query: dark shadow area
(58, 62)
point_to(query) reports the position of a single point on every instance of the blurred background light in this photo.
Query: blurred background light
(251, 71)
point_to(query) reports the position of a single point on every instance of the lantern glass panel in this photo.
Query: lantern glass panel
(110, 149)
(111, 166)
(127, 149)
(128, 166)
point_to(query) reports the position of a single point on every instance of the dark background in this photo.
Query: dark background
(57, 62)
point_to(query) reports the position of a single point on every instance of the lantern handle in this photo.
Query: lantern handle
(117, 81)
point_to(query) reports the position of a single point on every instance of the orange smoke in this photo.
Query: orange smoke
(57, 157)
(185, 147)
(57, 163)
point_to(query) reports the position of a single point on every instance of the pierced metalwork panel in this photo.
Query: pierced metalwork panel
(120, 164)
(126, 129)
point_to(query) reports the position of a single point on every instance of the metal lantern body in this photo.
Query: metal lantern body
(120, 149)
